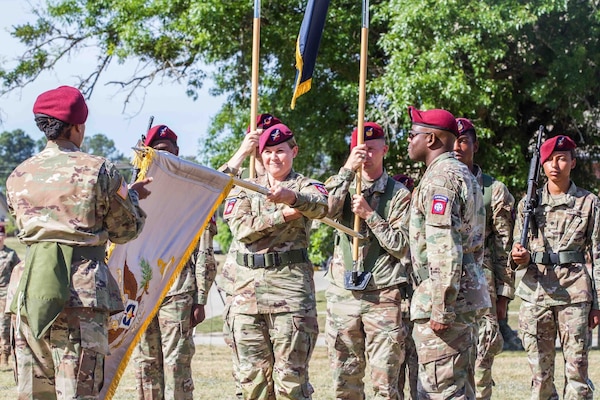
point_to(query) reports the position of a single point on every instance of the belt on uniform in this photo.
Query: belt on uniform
(562, 257)
(421, 274)
(274, 259)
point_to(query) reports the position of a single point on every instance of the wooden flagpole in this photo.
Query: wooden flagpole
(362, 94)
(254, 93)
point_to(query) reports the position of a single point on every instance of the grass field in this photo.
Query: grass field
(212, 366)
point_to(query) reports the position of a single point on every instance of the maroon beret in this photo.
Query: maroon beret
(274, 135)
(557, 143)
(160, 132)
(436, 119)
(372, 131)
(405, 180)
(264, 121)
(464, 126)
(64, 103)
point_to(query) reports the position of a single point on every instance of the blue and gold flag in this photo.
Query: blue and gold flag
(307, 45)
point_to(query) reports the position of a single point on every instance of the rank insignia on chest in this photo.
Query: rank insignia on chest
(321, 188)
(439, 204)
(229, 206)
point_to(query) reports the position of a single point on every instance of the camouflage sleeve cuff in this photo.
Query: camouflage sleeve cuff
(201, 298)
(346, 174)
(373, 219)
(230, 171)
(505, 291)
(442, 317)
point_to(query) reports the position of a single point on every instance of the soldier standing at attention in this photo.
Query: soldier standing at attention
(446, 229)
(273, 312)
(226, 279)
(67, 204)
(499, 207)
(8, 260)
(559, 294)
(163, 356)
(366, 323)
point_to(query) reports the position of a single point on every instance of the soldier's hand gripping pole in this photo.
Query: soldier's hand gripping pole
(140, 144)
(532, 185)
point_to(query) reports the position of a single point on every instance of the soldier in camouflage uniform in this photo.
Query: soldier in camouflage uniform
(67, 204)
(499, 205)
(446, 230)
(559, 292)
(163, 357)
(366, 323)
(8, 260)
(273, 316)
(409, 369)
(226, 279)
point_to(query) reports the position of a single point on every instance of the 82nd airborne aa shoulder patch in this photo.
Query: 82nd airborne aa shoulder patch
(321, 188)
(438, 206)
(229, 206)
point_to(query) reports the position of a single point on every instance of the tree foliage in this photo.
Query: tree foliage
(508, 65)
(15, 147)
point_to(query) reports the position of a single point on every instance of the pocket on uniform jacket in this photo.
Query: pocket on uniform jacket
(90, 376)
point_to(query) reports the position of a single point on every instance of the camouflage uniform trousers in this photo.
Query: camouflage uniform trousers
(446, 359)
(67, 362)
(409, 369)
(163, 357)
(361, 326)
(273, 352)
(489, 343)
(538, 326)
(228, 336)
(4, 326)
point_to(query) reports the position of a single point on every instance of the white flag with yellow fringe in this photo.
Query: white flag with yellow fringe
(183, 198)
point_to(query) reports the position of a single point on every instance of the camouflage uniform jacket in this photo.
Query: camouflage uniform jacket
(63, 195)
(446, 231)
(499, 226)
(8, 260)
(569, 222)
(390, 230)
(259, 227)
(198, 274)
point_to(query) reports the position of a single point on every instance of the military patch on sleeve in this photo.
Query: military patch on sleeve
(438, 206)
(230, 206)
(123, 190)
(321, 188)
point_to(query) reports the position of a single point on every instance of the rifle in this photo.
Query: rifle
(532, 198)
(140, 143)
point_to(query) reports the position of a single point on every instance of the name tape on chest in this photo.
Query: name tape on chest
(438, 206)
(321, 188)
(230, 206)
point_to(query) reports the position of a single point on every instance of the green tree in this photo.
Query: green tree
(15, 147)
(100, 145)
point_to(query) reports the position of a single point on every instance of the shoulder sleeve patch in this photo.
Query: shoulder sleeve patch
(439, 204)
(123, 190)
(320, 187)
(229, 206)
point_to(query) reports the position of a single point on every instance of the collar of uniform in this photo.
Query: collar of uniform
(568, 199)
(478, 174)
(370, 187)
(264, 180)
(442, 157)
(62, 144)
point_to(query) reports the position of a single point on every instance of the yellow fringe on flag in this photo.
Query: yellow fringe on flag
(301, 87)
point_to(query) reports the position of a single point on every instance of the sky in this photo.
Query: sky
(168, 102)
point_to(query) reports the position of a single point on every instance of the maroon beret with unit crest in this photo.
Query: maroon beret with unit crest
(464, 126)
(436, 119)
(264, 121)
(160, 132)
(274, 135)
(64, 103)
(557, 143)
(372, 131)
